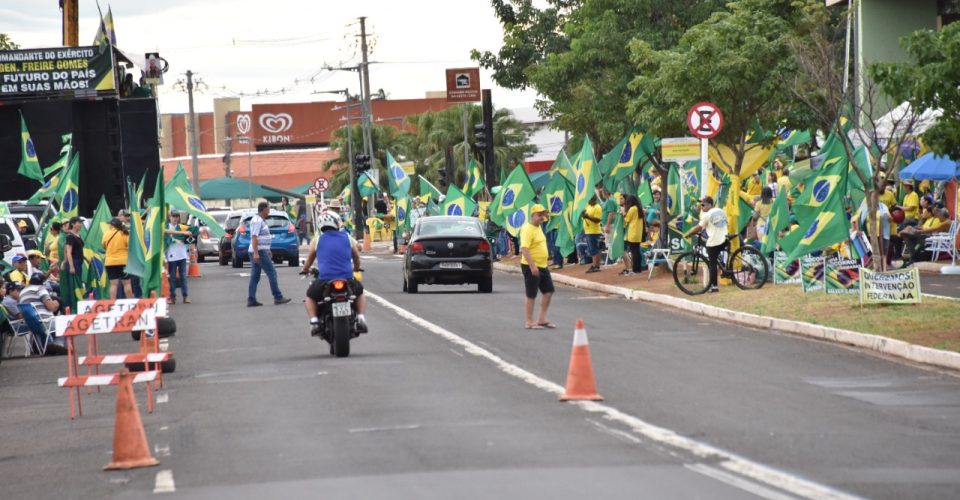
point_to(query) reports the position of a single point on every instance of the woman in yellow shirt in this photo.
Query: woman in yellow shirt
(633, 230)
(117, 242)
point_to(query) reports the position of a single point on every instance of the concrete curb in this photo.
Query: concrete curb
(884, 345)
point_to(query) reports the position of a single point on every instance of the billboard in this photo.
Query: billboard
(56, 72)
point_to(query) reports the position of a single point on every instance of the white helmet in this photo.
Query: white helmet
(329, 219)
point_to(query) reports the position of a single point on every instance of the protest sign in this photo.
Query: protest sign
(58, 71)
(891, 287)
(811, 273)
(785, 273)
(841, 275)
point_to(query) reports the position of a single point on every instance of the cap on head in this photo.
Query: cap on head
(37, 279)
(539, 208)
(34, 253)
(334, 204)
(18, 258)
(22, 224)
(13, 285)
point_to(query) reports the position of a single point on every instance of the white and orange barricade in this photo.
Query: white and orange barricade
(111, 316)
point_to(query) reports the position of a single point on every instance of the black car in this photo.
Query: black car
(230, 225)
(447, 251)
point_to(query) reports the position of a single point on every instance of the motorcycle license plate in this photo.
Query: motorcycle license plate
(451, 265)
(341, 309)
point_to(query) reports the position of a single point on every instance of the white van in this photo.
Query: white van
(10, 236)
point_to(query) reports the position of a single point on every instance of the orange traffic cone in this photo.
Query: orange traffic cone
(580, 383)
(164, 283)
(193, 270)
(130, 448)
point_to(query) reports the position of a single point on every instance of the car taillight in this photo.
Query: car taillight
(483, 246)
(241, 230)
(291, 229)
(338, 285)
(416, 248)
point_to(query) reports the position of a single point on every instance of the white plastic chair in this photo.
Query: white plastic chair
(21, 330)
(657, 256)
(938, 243)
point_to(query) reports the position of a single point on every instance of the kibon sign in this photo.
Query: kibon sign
(288, 124)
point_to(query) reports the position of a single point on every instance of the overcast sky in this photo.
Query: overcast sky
(246, 46)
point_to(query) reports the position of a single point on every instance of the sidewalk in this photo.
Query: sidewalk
(927, 333)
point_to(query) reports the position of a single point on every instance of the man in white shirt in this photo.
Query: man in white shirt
(713, 220)
(177, 256)
(261, 259)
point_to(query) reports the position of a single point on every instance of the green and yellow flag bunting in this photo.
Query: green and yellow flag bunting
(180, 195)
(29, 164)
(473, 184)
(458, 203)
(399, 181)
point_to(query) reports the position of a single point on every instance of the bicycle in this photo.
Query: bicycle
(746, 267)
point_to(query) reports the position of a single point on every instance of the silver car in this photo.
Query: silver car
(207, 243)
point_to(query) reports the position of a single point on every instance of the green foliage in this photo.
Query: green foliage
(929, 81)
(736, 59)
(6, 43)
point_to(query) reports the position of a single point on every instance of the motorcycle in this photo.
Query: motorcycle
(337, 312)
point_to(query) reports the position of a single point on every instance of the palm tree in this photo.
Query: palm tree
(385, 138)
(438, 141)
(6, 43)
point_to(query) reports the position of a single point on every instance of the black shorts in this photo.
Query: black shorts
(543, 283)
(116, 273)
(315, 291)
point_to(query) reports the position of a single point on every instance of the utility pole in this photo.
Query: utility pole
(488, 150)
(366, 119)
(71, 16)
(194, 160)
(227, 146)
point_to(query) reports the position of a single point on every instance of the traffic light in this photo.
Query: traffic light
(442, 177)
(361, 163)
(480, 136)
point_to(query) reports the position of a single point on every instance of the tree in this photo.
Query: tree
(818, 84)
(6, 43)
(581, 66)
(733, 59)
(438, 141)
(384, 138)
(929, 81)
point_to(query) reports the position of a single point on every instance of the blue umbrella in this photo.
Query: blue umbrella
(931, 167)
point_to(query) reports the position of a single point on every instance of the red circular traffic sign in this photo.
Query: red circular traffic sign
(321, 184)
(705, 120)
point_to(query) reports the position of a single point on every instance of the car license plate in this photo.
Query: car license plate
(451, 265)
(341, 309)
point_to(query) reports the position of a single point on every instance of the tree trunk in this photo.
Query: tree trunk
(877, 264)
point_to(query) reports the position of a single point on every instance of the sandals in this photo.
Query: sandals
(547, 325)
(534, 327)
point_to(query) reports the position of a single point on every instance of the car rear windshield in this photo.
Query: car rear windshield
(31, 229)
(273, 221)
(450, 228)
(232, 222)
(219, 217)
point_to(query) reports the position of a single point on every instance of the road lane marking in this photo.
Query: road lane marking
(617, 433)
(161, 450)
(737, 482)
(731, 461)
(164, 482)
(163, 397)
(458, 353)
(389, 428)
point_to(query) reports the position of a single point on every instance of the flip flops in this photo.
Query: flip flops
(547, 325)
(533, 327)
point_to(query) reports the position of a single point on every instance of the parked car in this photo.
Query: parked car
(450, 251)
(284, 246)
(207, 244)
(230, 224)
(10, 236)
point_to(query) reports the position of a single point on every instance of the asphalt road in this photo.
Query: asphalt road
(940, 284)
(449, 397)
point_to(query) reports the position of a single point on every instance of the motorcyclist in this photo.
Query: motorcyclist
(336, 259)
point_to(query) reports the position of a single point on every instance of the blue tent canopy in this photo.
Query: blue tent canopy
(930, 167)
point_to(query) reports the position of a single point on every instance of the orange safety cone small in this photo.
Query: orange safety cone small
(130, 448)
(193, 270)
(581, 385)
(164, 284)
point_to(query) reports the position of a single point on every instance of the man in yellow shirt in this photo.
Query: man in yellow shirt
(591, 228)
(911, 203)
(19, 273)
(533, 264)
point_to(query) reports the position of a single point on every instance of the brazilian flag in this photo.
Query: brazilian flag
(561, 166)
(778, 219)
(29, 164)
(559, 195)
(828, 224)
(588, 176)
(830, 178)
(95, 275)
(366, 186)
(68, 191)
(616, 239)
(401, 208)
(180, 195)
(457, 203)
(428, 190)
(517, 191)
(474, 181)
(517, 219)
(399, 180)
(624, 158)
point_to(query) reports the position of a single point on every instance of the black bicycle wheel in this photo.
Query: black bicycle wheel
(690, 273)
(749, 268)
